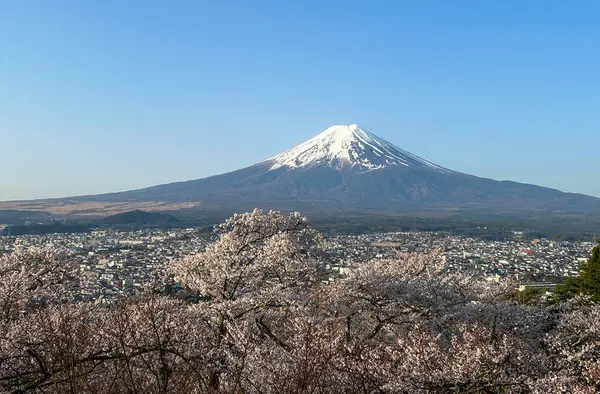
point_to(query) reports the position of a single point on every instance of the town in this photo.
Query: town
(117, 263)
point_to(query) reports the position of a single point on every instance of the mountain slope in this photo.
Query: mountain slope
(349, 168)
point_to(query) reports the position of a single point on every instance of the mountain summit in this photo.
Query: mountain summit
(349, 146)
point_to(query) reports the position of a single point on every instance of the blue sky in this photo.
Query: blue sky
(99, 96)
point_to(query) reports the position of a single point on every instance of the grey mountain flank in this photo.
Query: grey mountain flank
(347, 168)
(343, 169)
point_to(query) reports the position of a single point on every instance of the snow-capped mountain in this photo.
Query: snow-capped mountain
(347, 168)
(349, 146)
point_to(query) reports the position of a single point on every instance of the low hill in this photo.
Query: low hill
(140, 218)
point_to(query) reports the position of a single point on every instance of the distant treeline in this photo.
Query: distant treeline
(485, 227)
(495, 229)
(21, 217)
(481, 226)
(40, 229)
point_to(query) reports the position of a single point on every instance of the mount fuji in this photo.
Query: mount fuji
(347, 168)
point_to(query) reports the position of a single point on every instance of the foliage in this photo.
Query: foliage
(588, 281)
(269, 322)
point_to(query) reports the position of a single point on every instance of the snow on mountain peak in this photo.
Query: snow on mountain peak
(343, 146)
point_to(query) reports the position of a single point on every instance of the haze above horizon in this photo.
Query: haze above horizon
(110, 96)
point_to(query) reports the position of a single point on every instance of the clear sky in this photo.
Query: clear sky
(100, 96)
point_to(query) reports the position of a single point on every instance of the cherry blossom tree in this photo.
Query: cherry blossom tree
(37, 276)
(575, 346)
(41, 333)
(261, 266)
(411, 326)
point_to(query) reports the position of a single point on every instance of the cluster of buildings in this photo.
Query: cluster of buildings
(538, 260)
(117, 263)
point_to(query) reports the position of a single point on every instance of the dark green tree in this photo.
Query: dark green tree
(588, 281)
